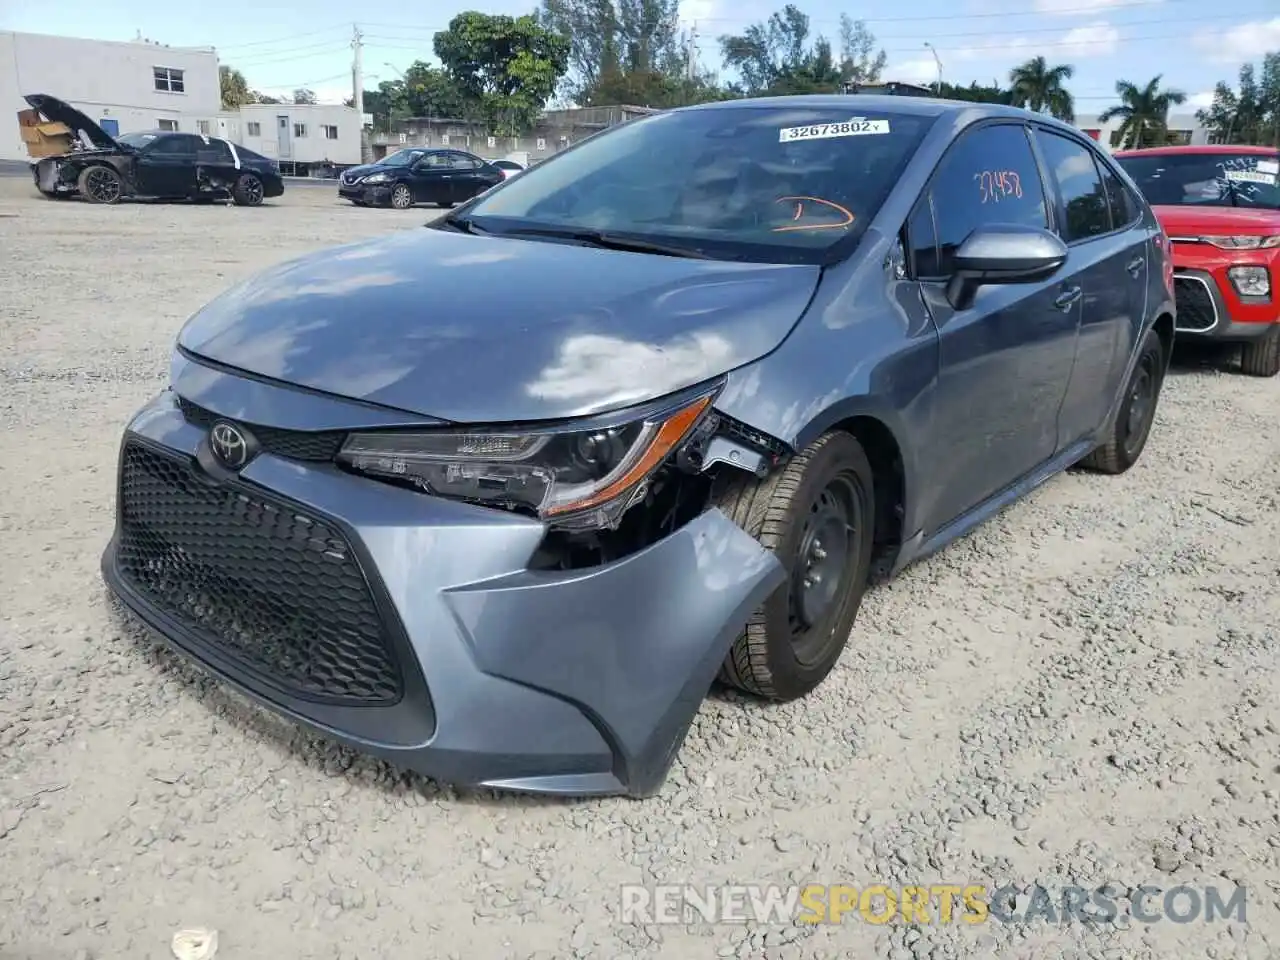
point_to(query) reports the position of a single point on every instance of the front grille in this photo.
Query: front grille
(256, 578)
(293, 444)
(1196, 310)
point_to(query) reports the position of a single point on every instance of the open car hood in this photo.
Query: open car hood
(487, 329)
(59, 111)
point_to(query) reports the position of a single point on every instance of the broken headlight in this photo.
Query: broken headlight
(575, 478)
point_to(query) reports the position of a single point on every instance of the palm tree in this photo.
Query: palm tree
(1043, 88)
(1144, 113)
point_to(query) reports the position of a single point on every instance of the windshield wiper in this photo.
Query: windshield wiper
(609, 241)
(461, 224)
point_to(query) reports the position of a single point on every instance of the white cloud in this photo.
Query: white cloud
(1199, 101)
(1071, 7)
(1248, 41)
(921, 70)
(1092, 40)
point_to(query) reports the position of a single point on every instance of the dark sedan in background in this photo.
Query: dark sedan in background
(159, 165)
(498, 498)
(442, 177)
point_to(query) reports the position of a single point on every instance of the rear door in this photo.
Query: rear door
(469, 176)
(1005, 361)
(1109, 260)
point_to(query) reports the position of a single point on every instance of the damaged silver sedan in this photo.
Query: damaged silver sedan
(498, 499)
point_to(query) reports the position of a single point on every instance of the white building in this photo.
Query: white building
(142, 85)
(1185, 128)
(124, 86)
(306, 136)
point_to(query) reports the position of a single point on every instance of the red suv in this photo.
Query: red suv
(1220, 205)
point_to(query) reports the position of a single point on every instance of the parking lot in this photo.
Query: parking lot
(1085, 691)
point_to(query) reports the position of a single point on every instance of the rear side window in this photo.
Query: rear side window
(1072, 166)
(215, 151)
(988, 177)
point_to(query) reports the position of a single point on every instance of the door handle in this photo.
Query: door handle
(1067, 298)
(1134, 265)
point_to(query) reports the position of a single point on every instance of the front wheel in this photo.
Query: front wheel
(1261, 358)
(248, 191)
(1132, 426)
(401, 196)
(99, 184)
(817, 516)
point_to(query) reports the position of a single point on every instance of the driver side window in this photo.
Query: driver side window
(988, 177)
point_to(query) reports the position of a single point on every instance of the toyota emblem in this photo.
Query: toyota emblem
(229, 445)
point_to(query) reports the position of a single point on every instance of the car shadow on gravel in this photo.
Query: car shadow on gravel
(1200, 358)
(298, 743)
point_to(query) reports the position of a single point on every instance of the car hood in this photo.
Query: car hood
(363, 170)
(486, 329)
(1180, 221)
(58, 111)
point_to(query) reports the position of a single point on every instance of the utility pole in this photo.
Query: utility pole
(357, 87)
(691, 68)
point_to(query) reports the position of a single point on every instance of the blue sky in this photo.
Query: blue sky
(1192, 43)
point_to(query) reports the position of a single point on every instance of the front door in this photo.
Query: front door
(1111, 264)
(433, 178)
(1005, 361)
(284, 137)
(167, 166)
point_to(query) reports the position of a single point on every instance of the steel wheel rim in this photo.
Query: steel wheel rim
(825, 557)
(1141, 403)
(103, 185)
(400, 197)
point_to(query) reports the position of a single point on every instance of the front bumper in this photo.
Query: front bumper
(1205, 313)
(372, 195)
(580, 682)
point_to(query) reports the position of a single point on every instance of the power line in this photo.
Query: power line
(334, 48)
(296, 36)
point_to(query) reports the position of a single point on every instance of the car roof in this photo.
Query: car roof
(1212, 149)
(858, 103)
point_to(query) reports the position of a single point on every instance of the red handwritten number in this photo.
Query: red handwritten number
(997, 185)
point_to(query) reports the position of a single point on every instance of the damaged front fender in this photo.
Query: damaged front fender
(635, 645)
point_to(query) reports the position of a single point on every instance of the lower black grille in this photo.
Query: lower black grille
(260, 580)
(1196, 310)
(293, 444)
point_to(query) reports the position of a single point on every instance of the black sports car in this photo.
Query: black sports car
(162, 165)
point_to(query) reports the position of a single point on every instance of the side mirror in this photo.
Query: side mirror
(1003, 253)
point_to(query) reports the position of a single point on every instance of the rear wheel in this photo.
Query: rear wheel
(248, 191)
(1137, 412)
(816, 515)
(1261, 358)
(99, 184)
(401, 196)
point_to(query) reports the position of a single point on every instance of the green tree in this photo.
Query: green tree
(778, 57)
(976, 93)
(263, 97)
(303, 96)
(1143, 112)
(508, 66)
(1251, 114)
(235, 90)
(1042, 88)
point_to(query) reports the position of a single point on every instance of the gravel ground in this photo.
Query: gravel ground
(1084, 691)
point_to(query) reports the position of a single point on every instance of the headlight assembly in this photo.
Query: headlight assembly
(574, 478)
(1244, 243)
(375, 178)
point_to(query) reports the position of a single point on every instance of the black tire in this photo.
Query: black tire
(248, 191)
(401, 197)
(1261, 357)
(1137, 411)
(100, 184)
(787, 648)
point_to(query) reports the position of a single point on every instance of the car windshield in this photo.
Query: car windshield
(136, 139)
(1207, 179)
(401, 158)
(767, 184)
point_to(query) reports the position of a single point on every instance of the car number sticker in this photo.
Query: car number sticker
(1268, 166)
(1251, 176)
(853, 127)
